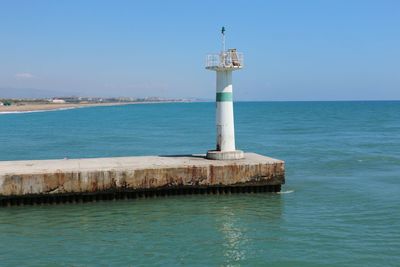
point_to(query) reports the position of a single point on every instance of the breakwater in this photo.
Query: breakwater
(80, 180)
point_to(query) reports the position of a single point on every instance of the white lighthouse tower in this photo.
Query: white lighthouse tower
(224, 64)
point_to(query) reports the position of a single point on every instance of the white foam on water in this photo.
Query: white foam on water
(286, 192)
(34, 111)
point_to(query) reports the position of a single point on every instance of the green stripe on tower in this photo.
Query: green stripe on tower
(224, 97)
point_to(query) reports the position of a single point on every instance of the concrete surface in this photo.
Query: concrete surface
(33, 177)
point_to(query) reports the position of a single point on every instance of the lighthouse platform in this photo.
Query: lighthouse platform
(93, 179)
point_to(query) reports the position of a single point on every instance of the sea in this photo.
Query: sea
(340, 205)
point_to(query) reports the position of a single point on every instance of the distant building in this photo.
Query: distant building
(58, 101)
(1, 104)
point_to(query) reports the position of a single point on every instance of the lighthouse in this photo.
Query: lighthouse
(224, 63)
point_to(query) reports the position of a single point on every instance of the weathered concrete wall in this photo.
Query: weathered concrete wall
(19, 178)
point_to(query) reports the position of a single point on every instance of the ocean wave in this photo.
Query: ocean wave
(286, 192)
(34, 111)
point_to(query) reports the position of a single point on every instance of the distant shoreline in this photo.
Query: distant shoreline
(53, 106)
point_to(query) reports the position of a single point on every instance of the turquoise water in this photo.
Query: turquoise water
(341, 206)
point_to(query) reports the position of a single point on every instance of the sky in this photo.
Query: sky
(293, 50)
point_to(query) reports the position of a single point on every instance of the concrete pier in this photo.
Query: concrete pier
(76, 180)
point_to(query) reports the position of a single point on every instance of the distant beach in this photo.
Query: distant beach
(62, 106)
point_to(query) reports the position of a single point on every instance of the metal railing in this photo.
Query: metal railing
(227, 59)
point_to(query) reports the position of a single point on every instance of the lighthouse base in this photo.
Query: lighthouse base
(225, 155)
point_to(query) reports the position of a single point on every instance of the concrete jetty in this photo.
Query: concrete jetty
(76, 180)
(224, 169)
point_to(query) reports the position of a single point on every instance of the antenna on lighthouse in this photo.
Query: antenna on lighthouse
(223, 38)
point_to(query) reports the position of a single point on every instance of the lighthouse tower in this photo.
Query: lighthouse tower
(224, 64)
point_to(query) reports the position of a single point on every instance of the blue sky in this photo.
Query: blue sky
(294, 50)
